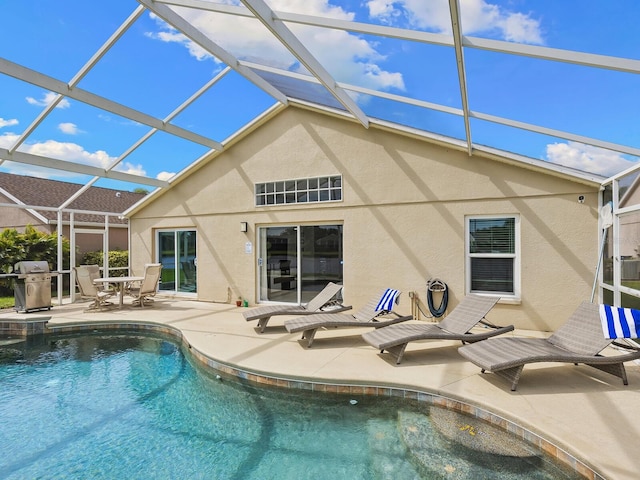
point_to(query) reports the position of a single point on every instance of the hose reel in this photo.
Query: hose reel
(437, 285)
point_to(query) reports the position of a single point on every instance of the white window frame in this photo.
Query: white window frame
(505, 296)
(176, 259)
(298, 191)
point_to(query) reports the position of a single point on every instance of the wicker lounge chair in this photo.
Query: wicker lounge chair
(579, 340)
(455, 326)
(327, 300)
(367, 316)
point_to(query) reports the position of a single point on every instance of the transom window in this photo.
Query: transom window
(301, 190)
(493, 255)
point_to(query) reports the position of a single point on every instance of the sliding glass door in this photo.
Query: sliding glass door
(177, 254)
(296, 261)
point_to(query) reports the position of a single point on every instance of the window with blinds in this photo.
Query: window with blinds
(492, 255)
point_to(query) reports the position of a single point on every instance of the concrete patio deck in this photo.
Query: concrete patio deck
(585, 412)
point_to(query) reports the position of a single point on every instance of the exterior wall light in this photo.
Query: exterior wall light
(243, 227)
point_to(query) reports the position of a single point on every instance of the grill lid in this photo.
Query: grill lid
(31, 267)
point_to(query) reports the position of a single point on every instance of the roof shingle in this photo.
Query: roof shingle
(53, 193)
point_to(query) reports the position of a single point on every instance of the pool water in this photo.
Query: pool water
(132, 406)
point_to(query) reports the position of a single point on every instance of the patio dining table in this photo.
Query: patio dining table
(119, 285)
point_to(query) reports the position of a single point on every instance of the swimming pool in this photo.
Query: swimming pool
(132, 406)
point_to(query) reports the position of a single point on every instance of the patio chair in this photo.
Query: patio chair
(85, 274)
(372, 314)
(327, 300)
(143, 291)
(94, 273)
(470, 312)
(579, 340)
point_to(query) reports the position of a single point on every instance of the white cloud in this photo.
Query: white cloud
(71, 152)
(165, 175)
(46, 99)
(69, 128)
(349, 58)
(8, 123)
(7, 139)
(127, 167)
(478, 16)
(172, 36)
(587, 158)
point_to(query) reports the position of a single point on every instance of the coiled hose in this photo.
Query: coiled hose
(437, 285)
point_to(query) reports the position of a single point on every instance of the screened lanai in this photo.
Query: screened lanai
(132, 94)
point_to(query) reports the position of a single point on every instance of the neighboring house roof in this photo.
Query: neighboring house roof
(42, 192)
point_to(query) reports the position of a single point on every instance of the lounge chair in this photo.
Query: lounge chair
(327, 300)
(370, 315)
(85, 275)
(455, 326)
(143, 291)
(579, 340)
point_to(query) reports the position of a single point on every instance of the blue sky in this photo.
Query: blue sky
(154, 69)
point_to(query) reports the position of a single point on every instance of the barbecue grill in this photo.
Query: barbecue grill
(32, 289)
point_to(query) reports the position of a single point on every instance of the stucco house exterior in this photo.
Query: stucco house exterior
(28, 191)
(306, 197)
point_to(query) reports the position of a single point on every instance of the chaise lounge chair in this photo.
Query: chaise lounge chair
(326, 300)
(372, 314)
(455, 326)
(579, 340)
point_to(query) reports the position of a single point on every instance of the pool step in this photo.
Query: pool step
(388, 452)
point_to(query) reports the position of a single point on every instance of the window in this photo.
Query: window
(304, 190)
(493, 255)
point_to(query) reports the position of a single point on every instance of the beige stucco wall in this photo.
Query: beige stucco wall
(403, 212)
(18, 218)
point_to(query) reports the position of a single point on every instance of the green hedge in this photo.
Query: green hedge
(117, 258)
(32, 245)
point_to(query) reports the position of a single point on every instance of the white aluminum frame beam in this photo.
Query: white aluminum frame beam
(44, 81)
(150, 133)
(458, 112)
(79, 76)
(180, 24)
(46, 162)
(269, 19)
(354, 88)
(556, 133)
(323, 22)
(462, 77)
(501, 46)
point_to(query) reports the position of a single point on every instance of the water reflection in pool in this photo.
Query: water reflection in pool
(132, 406)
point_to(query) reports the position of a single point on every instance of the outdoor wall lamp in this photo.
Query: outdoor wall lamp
(243, 227)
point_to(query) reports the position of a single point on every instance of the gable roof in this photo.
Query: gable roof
(42, 192)
(547, 168)
(290, 60)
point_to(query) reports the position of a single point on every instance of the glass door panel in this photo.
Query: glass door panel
(296, 262)
(177, 254)
(321, 253)
(186, 254)
(279, 264)
(167, 256)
